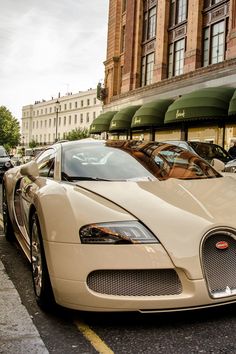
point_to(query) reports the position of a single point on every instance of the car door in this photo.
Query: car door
(28, 188)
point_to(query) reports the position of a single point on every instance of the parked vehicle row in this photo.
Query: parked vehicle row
(124, 226)
(208, 151)
(5, 161)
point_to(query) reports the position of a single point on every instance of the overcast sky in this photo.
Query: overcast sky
(50, 46)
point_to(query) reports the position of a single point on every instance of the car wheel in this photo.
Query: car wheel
(41, 281)
(7, 225)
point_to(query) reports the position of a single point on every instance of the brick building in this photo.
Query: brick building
(165, 49)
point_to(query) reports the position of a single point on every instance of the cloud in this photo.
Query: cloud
(50, 46)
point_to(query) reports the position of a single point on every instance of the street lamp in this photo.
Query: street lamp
(57, 111)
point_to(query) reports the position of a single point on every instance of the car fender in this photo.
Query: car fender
(63, 209)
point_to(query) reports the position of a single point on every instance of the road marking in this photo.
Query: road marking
(93, 338)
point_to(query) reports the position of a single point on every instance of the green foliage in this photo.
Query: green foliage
(77, 134)
(32, 144)
(9, 129)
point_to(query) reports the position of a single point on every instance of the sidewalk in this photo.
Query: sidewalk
(18, 334)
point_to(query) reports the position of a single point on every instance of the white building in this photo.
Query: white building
(48, 121)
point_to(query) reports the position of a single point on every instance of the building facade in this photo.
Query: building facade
(164, 49)
(48, 121)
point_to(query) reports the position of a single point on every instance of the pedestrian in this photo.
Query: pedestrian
(232, 150)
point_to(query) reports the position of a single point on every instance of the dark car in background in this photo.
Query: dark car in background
(208, 151)
(5, 161)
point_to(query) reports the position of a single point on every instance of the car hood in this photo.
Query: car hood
(213, 200)
(178, 212)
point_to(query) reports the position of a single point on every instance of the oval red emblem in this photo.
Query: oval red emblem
(222, 245)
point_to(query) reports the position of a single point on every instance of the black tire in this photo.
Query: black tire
(7, 225)
(41, 281)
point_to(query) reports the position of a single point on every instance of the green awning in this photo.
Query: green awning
(212, 102)
(102, 122)
(232, 105)
(122, 119)
(151, 114)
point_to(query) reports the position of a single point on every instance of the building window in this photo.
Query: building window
(178, 11)
(70, 105)
(75, 120)
(208, 3)
(50, 109)
(124, 5)
(69, 119)
(59, 123)
(82, 103)
(33, 124)
(122, 40)
(94, 115)
(214, 44)
(149, 23)
(45, 124)
(176, 58)
(147, 69)
(76, 104)
(65, 107)
(88, 102)
(54, 123)
(87, 117)
(94, 101)
(64, 120)
(81, 117)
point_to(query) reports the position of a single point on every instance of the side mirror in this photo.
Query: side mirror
(218, 165)
(30, 170)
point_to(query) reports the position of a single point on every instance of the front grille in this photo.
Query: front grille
(146, 282)
(219, 265)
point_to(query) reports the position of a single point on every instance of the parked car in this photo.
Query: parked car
(16, 160)
(230, 166)
(207, 151)
(5, 161)
(124, 226)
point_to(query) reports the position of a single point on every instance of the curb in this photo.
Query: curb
(18, 333)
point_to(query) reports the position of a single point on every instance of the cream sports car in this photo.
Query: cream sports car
(124, 226)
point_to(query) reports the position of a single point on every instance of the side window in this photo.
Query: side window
(46, 163)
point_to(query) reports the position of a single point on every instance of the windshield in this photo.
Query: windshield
(119, 161)
(210, 151)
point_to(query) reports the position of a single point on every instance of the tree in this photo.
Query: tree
(9, 128)
(32, 144)
(77, 134)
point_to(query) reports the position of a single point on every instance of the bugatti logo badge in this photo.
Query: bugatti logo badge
(222, 245)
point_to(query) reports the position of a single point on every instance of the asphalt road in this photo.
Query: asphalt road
(64, 331)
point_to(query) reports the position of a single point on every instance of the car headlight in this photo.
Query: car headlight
(8, 164)
(116, 233)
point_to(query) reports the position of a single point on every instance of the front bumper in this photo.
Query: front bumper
(69, 266)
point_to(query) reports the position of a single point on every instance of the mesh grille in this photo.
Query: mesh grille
(220, 265)
(135, 282)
